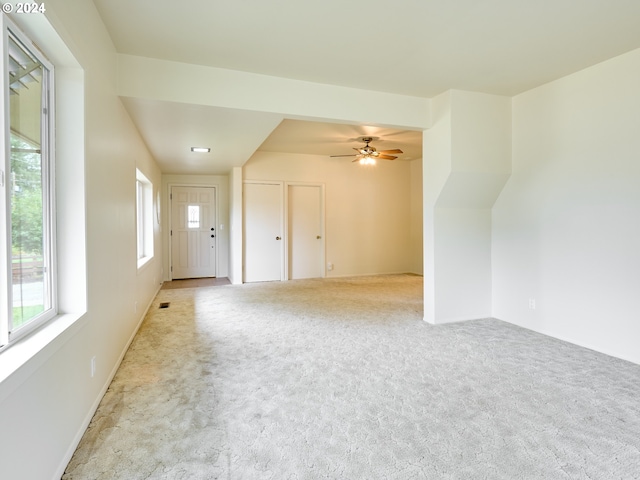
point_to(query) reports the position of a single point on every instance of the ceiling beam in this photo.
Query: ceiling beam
(143, 77)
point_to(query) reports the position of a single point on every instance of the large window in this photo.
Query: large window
(26, 182)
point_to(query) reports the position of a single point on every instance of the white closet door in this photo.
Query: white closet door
(263, 232)
(305, 231)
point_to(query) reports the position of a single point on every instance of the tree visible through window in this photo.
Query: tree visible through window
(27, 236)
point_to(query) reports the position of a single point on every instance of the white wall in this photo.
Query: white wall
(467, 160)
(566, 229)
(462, 247)
(416, 227)
(149, 78)
(196, 84)
(235, 225)
(47, 402)
(221, 182)
(368, 209)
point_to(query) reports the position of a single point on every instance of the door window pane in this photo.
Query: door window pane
(193, 215)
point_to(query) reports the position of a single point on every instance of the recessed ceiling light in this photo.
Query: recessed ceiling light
(200, 149)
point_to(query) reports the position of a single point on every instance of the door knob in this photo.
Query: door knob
(277, 238)
(318, 237)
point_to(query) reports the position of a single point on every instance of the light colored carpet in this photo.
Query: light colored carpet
(341, 379)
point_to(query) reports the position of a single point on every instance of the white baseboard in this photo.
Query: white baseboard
(443, 321)
(87, 420)
(574, 342)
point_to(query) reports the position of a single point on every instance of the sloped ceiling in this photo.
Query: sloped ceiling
(171, 129)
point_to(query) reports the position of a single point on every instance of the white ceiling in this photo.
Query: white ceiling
(171, 129)
(316, 138)
(411, 47)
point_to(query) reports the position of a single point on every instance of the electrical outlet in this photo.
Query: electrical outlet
(93, 366)
(532, 304)
(329, 266)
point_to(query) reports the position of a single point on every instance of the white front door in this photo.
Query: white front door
(263, 232)
(193, 232)
(305, 231)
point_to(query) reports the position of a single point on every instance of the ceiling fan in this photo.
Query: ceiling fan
(367, 155)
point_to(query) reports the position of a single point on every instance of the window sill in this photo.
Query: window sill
(143, 261)
(20, 359)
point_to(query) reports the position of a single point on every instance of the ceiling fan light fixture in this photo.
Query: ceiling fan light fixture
(200, 149)
(368, 155)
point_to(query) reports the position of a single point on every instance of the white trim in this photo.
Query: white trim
(29, 353)
(572, 341)
(144, 208)
(47, 155)
(374, 274)
(94, 407)
(5, 244)
(443, 321)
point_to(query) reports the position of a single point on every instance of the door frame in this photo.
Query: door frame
(170, 215)
(282, 223)
(286, 225)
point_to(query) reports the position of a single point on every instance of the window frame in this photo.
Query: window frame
(144, 219)
(8, 334)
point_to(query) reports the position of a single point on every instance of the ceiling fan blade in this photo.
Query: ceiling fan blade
(359, 150)
(334, 156)
(386, 157)
(396, 150)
